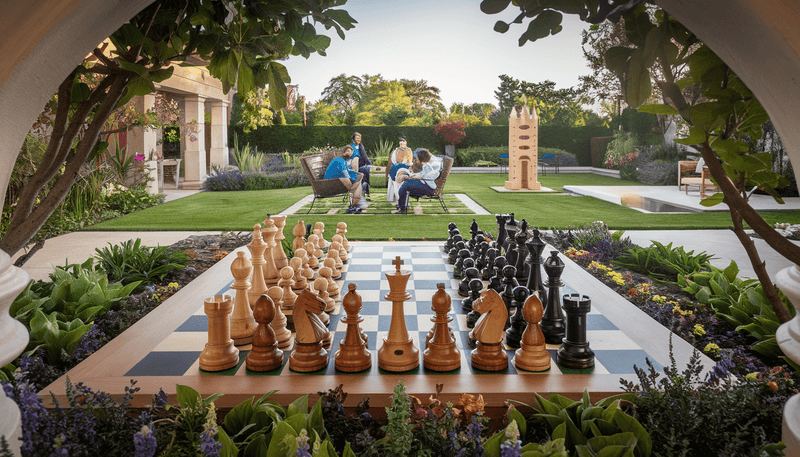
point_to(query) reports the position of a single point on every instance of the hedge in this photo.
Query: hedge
(296, 138)
(599, 146)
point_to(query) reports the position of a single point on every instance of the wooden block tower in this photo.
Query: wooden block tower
(523, 149)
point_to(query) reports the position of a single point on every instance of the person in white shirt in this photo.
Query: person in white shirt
(419, 184)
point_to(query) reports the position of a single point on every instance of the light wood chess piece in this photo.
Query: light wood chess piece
(286, 283)
(341, 230)
(313, 261)
(243, 325)
(219, 353)
(342, 250)
(299, 232)
(308, 355)
(353, 355)
(257, 284)
(441, 353)
(326, 272)
(268, 233)
(398, 352)
(308, 273)
(321, 289)
(279, 323)
(335, 254)
(319, 230)
(300, 281)
(264, 355)
(280, 255)
(489, 332)
(532, 354)
(330, 262)
(317, 251)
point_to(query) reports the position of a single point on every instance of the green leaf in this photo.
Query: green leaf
(186, 396)
(696, 136)
(245, 82)
(658, 109)
(492, 445)
(279, 446)
(548, 22)
(638, 86)
(277, 77)
(514, 414)
(501, 27)
(80, 92)
(297, 421)
(136, 68)
(162, 74)
(299, 406)
(494, 6)
(347, 452)
(616, 59)
(713, 200)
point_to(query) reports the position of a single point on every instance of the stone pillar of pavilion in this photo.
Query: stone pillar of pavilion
(523, 149)
(194, 138)
(143, 140)
(219, 132)
(788, 336)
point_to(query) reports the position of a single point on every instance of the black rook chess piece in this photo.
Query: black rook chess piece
(575, 351)
(518, 324)
(553, 319)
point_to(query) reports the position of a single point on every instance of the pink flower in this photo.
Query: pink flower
(138, 157)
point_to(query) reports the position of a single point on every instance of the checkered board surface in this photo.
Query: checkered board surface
(177, 355)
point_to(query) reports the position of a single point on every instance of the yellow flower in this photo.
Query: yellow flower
(173, 285)
(711, 348)
(659, 299)
(699, 330)
(751, 376)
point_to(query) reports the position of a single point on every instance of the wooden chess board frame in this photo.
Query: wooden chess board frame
(106, 369)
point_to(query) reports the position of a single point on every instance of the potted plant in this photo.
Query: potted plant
(452, 132)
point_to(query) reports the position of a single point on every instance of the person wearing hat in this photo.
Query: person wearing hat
(360, 162)
(401, 157)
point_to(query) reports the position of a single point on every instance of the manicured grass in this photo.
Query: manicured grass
(379, 205)
(240, 210)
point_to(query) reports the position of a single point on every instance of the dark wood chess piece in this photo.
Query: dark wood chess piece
(264, 355)
(509, 283)
(476, 287)
(219, 353)
(532, 354)
(496, 281)
(511, 231)
(521, 238)
(534, 279)
(488, 332)
(474, 229)
(501, 228)
(488, 268)
(514, 333)
(353, 355)
(469, 274)
(458, 268)
(458, 245)
(441, 353)
(452, 230)
(308, 354)
(553, 321)
(480, 254)
(398, 352)
(575, 351)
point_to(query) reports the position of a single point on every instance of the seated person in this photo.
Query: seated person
(338, 168)
(359, 161)
(421, 183)
(399, 161)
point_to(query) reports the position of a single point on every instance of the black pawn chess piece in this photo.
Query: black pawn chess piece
(488, 268)
(469, 274)
(475, 288)
(534, 278)
(480, 261)
(518, 324)
(509, 283)
(496, 281)
(474, 229)
(553, 325)
(511, 232)
(575, 351)
(459, 244)
(452, 231)
(458, 268)
(521, 238)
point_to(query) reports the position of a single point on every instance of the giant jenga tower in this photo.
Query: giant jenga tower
(523, 149)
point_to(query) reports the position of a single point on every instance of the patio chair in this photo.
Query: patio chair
(314, 166)
(437, 194)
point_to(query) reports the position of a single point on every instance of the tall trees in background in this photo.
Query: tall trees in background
(554, 106)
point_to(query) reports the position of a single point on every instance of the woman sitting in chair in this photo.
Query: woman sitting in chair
(401, 158)
(419, 184)
(339, 168)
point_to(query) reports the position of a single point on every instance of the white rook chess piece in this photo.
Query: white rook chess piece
(219, 353)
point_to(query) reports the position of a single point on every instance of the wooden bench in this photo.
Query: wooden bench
(314, 167)
(688, 177)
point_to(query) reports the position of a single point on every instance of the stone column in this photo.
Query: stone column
(788, 336)
(219, 132)
(194, 138)
(143, 140)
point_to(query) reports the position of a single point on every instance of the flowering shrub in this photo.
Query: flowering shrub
(452, 132)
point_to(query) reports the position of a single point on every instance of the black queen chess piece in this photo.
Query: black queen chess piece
(575, 351)
(553, 325)
(534, 262)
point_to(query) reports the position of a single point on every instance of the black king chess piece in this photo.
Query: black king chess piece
(534, 262)
(575, 351)
(501, 228)
(518, 323)
(475, 288)
(553, 320)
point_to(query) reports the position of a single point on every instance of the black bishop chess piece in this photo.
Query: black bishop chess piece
(509, 283)
(488, 264)
(514, 333)
(458, 244)
(575, 351)
(534, 279)
(469, 274)
(521, 238)
(475, 289)
(553, 325)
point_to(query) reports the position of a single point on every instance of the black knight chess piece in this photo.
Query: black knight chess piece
(553, 325)
(514, 333)
(575, 351)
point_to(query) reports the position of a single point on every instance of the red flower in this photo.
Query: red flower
(452, 132)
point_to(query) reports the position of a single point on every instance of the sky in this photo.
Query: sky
(449, 43)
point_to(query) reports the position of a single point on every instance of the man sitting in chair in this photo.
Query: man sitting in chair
(419, 184)
(338, 168)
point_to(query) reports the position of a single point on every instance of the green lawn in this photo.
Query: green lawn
(240, 210)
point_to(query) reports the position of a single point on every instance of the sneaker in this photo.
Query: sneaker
(352, 210)
(357, 210)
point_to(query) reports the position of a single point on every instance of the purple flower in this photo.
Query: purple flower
(208, 445)
(720, 371)
(160, 398)
(302, 445)
(144, 443)
(510, 448)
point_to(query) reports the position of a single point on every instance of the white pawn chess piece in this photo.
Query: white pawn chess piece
(331, 263)
(333, 252)
(342, 250)
(317, 251)
(313, 261)
(299, 232)
(341, 230)
(319, 230)
(321, 289)
(333, 289)
(300, 281)
(308, 273)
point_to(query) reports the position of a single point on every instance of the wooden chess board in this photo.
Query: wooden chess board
(162, 349)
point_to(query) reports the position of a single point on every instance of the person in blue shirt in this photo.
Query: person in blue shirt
(419, 184)
(363, 162)
(339, 168)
